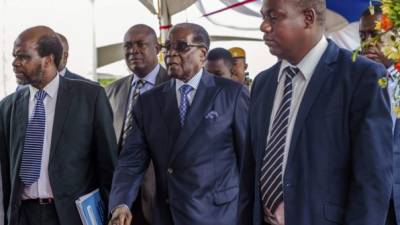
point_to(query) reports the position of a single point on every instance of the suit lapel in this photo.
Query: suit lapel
(121, 106)
(22, 118)
(321, 73)
(266, 101)
(169, 109)
(64, 98)
(201, 104)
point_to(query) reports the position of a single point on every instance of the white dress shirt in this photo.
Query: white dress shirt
(194, 83)
(42, 188)
(299, 83)
(391, 88)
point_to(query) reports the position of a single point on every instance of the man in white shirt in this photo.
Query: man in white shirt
(320, 126)
(56, 137)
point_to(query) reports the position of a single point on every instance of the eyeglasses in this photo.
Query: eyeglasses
(180, 46)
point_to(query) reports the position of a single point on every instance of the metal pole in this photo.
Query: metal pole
(94, 65)
(3, 53)
(165, 20)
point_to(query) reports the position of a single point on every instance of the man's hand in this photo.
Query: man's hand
(121, 216)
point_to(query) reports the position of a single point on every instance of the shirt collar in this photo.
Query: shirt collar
(63, 71)
(50, 89)
(149, 78)
(310, 61)
(194, 82)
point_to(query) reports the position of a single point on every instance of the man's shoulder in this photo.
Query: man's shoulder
(7, 102)
(118, 83)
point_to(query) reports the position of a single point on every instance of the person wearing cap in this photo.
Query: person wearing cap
(239, 65)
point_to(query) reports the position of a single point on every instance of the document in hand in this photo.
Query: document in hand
(91, 208)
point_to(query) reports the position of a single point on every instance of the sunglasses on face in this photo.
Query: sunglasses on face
(180, 46)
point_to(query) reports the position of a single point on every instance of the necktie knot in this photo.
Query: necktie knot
(291, 71)
(185, 89)
(40, 95)
(140, 84)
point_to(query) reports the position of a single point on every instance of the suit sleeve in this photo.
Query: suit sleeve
(5, 167)
(133, 162)
(371, 146)
(105, 143)
(244, 157)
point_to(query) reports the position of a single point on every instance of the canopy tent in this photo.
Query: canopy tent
(340, 15)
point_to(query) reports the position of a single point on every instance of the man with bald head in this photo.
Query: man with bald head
(320, 126)
(193, 129)
(56, 137)
(141, 49)
(62, 69)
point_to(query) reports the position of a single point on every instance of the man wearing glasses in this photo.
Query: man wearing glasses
(140, 49)
(193, 129)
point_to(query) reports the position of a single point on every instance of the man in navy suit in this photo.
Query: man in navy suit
(320, 126)
(193, 129)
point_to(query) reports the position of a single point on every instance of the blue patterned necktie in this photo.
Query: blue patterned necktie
(184, 106)
(272, 172)
(33, 146)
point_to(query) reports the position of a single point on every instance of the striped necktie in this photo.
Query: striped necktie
(184, 104)
(33, 146)
(129, 114)
(271, 179)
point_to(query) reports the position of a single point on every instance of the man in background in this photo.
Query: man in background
(239, 65)
(219, 62)
(141, 49)
(373, 51)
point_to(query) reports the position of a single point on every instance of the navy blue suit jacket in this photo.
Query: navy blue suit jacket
(339, 168)
(198, 166)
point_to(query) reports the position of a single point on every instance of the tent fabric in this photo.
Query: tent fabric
(349, 9)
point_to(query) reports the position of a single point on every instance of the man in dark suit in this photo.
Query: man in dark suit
(62, 69)
(193, 129)
(320, 126)
(219, 62)
(56, 137)
(141, 49)
(373, 51)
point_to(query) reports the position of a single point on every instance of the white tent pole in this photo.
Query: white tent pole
(3, 53)
(94, 65)
(164, 19)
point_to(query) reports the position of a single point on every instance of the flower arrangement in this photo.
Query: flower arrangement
(389, 36)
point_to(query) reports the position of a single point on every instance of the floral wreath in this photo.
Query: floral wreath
(389, 36)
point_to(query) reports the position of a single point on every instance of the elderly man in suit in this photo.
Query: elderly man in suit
(56, 137)
(141, 49)
(193, 129)
(320, 126)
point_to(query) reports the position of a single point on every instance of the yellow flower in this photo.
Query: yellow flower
(396, 110)
(378, 25)
(382, 82)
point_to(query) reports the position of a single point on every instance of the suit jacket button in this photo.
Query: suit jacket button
(167, 201)
(170, 171)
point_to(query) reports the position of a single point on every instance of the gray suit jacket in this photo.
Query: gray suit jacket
(83, 147)
(118, 94)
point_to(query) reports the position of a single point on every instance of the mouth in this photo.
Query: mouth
(133, 59)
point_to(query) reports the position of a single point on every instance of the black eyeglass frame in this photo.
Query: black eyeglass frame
(183, 49)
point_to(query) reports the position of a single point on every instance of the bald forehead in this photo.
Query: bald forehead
(143, 30)
(35, 33)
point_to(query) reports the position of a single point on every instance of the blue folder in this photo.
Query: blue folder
(91, 208)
